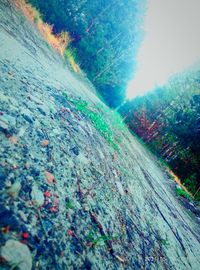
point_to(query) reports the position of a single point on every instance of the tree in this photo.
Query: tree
(105, 35)
(168, 120)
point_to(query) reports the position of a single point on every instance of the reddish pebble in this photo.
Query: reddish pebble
(50, 177)
(13, 140)
(44, 143)
(25, 235)
(70, 233)
(53, 209)
(47, 194)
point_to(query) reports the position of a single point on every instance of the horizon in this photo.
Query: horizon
(158, 59)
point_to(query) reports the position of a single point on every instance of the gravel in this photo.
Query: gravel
(75, 202)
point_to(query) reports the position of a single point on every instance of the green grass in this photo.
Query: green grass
(182, 193)
(70, 56)
(165, 242)
(101, 240)
(38, 17)
(69, 205)
(98, 119)
(96, 240)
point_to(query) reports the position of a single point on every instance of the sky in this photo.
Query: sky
(171, 43)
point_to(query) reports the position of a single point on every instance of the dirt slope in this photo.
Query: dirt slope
(68, 199)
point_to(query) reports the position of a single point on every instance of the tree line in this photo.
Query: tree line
(168, 120)
(105, 38)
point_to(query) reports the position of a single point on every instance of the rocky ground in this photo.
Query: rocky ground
(69, 198)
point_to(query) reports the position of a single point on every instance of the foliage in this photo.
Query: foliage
(71, 58)
(106, 35)
(58, 41)
(97, 118)
(182, 193)
(165, 241)
(168, 121)
(96, 240)
(69, 205)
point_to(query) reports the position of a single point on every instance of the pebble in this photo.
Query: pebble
(44, 143)
(21, 132)
(35, 99)
(49, 177)
(8, 120)
(120, 187)
(27, 115)
(3, 125)
(82, 159)
(56, 131)
(47, 225)
(43, 110)
(16, 253)
(75, 150)
(22, 215)
(37, 196)
(14, 190)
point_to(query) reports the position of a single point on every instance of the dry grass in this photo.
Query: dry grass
(58, 42)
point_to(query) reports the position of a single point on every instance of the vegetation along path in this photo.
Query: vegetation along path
(78, 191)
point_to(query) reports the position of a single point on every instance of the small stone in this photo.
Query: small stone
(28, 118)
(56, 131)
(33, 221)
(44, 143)
(43, 110)
(25, 235)
(29, 178)
(50, 177)
(14, 190)
(22, 215)
(16, 253)
(75, 150)
(47, 194)
(3, 125)
(13, 140)
(82, 159)
(37, 196)
(8, 184)
(120, 187)
(21, 132)
(47, 225)
(86, 207)
(35, 99)
(8, 119)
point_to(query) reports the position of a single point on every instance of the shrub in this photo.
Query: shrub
(183, 193)
(70, 57)
(59, 42)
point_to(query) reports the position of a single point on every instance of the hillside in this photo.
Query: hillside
(78, 191)
(105, 36)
